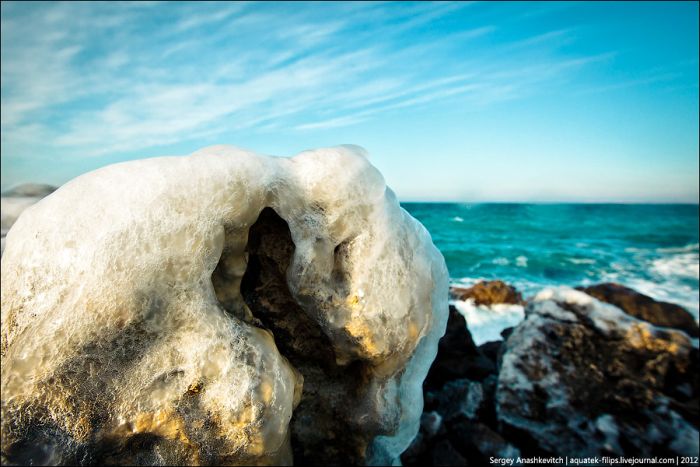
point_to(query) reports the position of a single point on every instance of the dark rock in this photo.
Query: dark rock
(458, 357)
(416, 452)
(488, 293)
(430, 423)
(507, 332)
(491, 349)
(582, 378)
(460, 398)
(445, 454)
(644, 307)
(478, 443)
(430, 446)
(487, 413)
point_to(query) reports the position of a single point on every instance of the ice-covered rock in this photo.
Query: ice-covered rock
(580, 377)
(186, 309)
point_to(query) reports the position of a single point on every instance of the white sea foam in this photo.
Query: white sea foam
(671, 273)
(582, 260)
(692, 247)
(485, 323)
(501, 261)
(465, 281)
(683, 265)
(521, 261)
(457, 219)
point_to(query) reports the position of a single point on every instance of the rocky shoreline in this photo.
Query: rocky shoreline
(577, 377)
(594, 371)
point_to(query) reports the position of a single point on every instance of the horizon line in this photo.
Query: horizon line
(668, 203)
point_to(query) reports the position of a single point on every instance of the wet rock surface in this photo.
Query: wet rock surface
(488, 293)
(577, 377)
(643, 307)
(458, 356)
(459, 425)
(582, 377)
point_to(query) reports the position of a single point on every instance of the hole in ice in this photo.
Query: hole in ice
(320, 429)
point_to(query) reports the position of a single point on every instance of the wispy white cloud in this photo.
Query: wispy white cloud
(97, 79)
(333, 122)
(206, 15)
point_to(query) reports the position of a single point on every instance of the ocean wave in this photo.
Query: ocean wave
(457, 219)
(465, 281)
(653, 249)
(683, 265)
(692, 247)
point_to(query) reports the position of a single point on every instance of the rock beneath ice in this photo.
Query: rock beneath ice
(224, 307)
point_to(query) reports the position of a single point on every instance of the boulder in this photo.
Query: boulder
(221, 308)
(491, 350)
(643, 307)
(579, 377)
(460, 398)
(462, 418)
(488, 293)
(458, 357)
(478, 443)
(444, 454)
(432, 432)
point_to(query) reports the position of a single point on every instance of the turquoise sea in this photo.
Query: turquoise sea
(651, 248)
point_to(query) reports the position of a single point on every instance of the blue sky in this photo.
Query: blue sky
(454, 101)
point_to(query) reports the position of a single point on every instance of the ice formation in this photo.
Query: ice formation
(184, 310)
